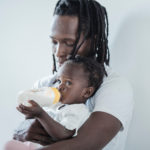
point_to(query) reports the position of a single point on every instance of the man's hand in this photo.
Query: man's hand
(32, 130)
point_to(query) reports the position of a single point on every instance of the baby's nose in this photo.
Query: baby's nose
(61, 87)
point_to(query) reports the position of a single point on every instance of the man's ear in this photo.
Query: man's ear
(87, 92)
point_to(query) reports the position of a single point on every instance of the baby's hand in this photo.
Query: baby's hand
(32, 111)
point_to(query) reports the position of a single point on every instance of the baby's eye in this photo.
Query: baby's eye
(68, 82)
(58, 81)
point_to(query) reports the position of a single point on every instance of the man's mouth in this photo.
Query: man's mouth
(60, 61)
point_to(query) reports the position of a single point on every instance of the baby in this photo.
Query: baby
(77, 80)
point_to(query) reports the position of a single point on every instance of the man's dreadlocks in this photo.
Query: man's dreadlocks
(93, 23)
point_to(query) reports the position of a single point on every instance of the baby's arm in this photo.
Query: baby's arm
(54, 129)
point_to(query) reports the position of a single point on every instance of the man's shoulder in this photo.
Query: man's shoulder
(45, 81)
(114, 89)
(115, 97)
(114, 81)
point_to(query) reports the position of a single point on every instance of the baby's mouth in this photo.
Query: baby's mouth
(61, 96)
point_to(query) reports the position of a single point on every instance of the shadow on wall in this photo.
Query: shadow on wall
(131, 58)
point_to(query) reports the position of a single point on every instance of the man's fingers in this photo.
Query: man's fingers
(29, 117)
(15, 137)
(31, 130)
(37, 137)
(39, 130)
(43, 143)
(44, 139)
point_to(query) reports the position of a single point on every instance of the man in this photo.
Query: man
(81, 27)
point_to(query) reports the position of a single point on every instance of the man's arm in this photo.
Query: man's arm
(97, 131)
(32, 130)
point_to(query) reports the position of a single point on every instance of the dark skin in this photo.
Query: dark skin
(36, 131)
(101, 127)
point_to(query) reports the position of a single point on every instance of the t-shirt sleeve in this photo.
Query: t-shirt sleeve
(73, 116)
(115, 97)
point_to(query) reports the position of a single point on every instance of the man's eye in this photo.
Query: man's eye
(68, 82)
(54, 42)
(70, 44)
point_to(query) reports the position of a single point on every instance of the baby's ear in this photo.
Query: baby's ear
(87, 92)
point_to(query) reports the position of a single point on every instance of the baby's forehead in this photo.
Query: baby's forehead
(72, 69)
(73, 65)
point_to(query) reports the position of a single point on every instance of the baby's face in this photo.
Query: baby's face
(71, 82)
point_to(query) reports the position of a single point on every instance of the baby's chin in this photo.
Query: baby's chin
(62, 100)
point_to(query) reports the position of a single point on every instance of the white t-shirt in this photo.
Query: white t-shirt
(71, 116)
(115, 97)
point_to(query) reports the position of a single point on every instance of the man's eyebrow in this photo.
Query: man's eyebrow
(65, 39)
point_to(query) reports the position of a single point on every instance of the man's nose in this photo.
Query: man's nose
(60, 51)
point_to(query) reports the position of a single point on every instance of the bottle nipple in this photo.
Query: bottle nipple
(57, 95)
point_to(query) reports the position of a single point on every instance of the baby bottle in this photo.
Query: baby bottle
(43, 96)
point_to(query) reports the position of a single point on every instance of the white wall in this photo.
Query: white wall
(26, 57)
(25, 54)
(131, 48)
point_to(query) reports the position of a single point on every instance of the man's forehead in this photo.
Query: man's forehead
(66, 25)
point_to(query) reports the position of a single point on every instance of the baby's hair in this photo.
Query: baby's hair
(92, 69)
(93, 22)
